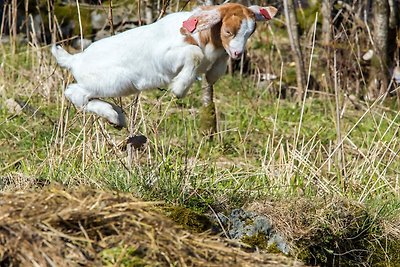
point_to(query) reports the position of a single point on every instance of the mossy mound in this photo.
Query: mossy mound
(188, 218)
(334, 232)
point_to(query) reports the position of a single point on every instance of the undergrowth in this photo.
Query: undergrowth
(265, 146)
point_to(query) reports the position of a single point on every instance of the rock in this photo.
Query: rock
(98, 20)
(13, 107)
(102, 34)
(396, 74)
(17, 106)
(2, 90)
(244, 225)
(368, 55)
(117, 19)
(79, 44)
(35, 28)
(277, 240)
(268, 77)
(126, 26)
(248, 223)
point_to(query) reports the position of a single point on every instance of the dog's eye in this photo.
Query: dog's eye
(228, 33)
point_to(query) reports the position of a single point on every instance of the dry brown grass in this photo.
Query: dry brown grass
(54, 227)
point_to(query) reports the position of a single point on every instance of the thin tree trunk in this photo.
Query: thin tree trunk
(326, 28)
(326, 10)
(292, 27)
(13, 18)
(110, 17)
(379, 78)
(149, 11)
(394, 14)
(27, 24)
(394, 25)
(394, 36)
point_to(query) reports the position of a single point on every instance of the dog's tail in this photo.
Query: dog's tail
(64, 59)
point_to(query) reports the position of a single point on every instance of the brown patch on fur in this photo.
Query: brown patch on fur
(232, 16)
(212, 36)
(231, 20)
(188, 37)
(228, 10)
(190, 40)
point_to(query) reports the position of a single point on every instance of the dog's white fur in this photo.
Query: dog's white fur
(148, 57)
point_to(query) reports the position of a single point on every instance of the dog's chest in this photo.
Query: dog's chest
(211, 55)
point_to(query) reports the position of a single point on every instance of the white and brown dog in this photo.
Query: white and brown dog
(172, 51)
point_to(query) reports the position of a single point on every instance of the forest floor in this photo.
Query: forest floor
(73, 189)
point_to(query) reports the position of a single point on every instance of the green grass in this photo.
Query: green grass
(255, 152)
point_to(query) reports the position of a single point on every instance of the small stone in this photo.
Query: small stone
(243, 225)
(268, 77)
(280, 243)
(13, 107)
(396, 74)
(238, 213)
(98, 20)
(101, 34)
(81, 44)
(222, 218)
(2, 90)
(262, 224)
(368, 55)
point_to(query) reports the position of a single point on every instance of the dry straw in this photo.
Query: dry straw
(58, 228)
